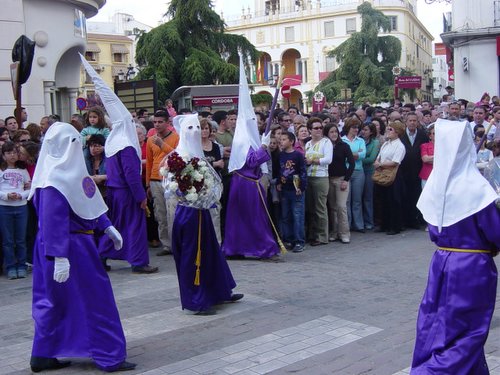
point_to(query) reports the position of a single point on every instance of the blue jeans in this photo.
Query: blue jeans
(13, 222)
(292, 216)
(355, 200)
(368, 200)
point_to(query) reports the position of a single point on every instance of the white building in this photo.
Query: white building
(299, 35)
(474, 37)
(441, 72)
(59, 29)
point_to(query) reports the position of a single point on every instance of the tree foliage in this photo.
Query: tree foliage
(366, 61)
(191, 49)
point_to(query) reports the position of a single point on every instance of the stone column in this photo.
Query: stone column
(72, 95)
(47, 96)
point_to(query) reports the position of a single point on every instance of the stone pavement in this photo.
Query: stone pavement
(334, 309)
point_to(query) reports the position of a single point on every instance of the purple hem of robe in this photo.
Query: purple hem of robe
(216, 280)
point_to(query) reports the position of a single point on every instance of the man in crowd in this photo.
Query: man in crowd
(158, 146)
(411, 165)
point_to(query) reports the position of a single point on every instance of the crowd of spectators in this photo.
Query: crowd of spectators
(319, 179)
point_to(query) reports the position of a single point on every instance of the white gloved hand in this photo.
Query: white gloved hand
(115, 236)
(266, 139)
(61, 270)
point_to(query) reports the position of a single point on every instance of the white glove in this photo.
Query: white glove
(61, 270)
(115, 236)
(266, 139)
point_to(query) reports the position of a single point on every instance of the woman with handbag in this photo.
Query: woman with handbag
(387, 177)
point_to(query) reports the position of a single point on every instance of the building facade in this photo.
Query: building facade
(442, 73)
(299, 35)
(111, 56)
(474, 38)
(58, 28)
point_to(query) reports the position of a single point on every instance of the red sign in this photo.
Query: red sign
(293, 80)
(440, 49)
(211, 101)
(409, 82)
(286, 92)
(451, 74)
(498, 45)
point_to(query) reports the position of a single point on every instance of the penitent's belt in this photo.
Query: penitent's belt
(90, 231)
(455, 250)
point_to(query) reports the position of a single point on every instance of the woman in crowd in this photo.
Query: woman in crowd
(372, 148)
(20, 136)
(35, 132)
(213, 155)
(339, 171)
(297, 121)
(303, 137)
(4, 136)
(379, 123)
(319, 154)
(391, 154)
(358, 148)
(427, 154)
(96, 162)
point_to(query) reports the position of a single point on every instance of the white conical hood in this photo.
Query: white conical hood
(61, 165)
(455, 189)
(246, 134)
(123, 133)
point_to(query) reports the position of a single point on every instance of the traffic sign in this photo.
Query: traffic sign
(286, 91)
(81, 103)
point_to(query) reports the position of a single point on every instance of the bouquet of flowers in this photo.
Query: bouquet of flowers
(191, 180)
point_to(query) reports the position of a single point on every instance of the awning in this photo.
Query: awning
(119, 48)
(93, 47)
(115, 70)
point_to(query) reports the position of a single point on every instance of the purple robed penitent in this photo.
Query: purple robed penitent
(216, 280)
(77, 318)
(459, 301)
(124, 195)
(248, 226)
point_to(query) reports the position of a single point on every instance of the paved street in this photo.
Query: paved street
(335, 309)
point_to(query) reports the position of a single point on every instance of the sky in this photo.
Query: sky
(150, 14)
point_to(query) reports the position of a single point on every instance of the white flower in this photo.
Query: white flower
(197, 176)
(191, 197)
(191, 190)
(202, 163)
(164, 171)
(173, 186)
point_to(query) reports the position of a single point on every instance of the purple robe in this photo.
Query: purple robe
(77, 318)
(124, 196)
(248, 227)
(216, 280)
(458, 304)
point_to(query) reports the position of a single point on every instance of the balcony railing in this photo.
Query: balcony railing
(310, 8)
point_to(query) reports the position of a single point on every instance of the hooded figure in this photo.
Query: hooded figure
(75, 312)
(125, 194)
(249, 229)
(458, 304)
(202, 271)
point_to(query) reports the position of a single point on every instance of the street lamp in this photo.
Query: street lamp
(273, 81)
(127, 76)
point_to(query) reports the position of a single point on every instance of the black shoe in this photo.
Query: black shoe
(105, 264)
(392, 232)
(41, 364)
(124, 366)
(236, 297)
(235, 257)
(207, 312)
(163, 253)
(144, 269)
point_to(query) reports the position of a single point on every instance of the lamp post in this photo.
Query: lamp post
(273, 80)
(128, 75)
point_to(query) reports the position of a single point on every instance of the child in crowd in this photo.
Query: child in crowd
(14, 190)
(95, 123)
(292, 184)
